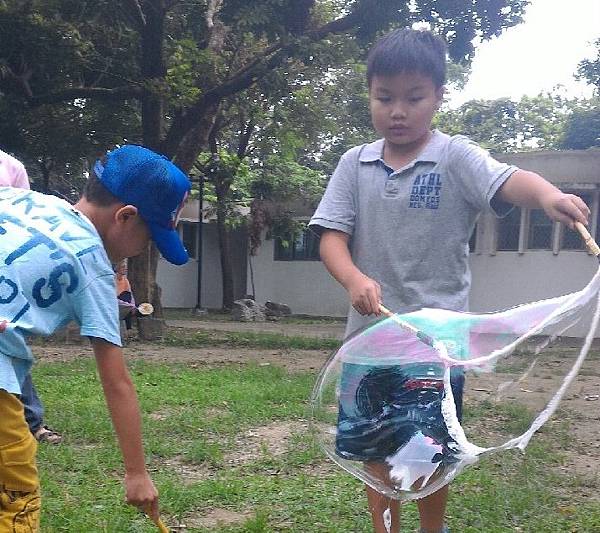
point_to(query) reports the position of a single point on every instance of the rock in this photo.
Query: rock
(276, 309)
(247, 310)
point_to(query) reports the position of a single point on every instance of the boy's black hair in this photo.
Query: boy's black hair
(96, 193)
(407, 50)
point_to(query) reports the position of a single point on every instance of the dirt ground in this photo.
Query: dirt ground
(580, 405)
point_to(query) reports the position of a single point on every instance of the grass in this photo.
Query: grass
(199, 339)
(195, 418)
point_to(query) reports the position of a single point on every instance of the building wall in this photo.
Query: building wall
(500, 279)
(179, 283)
(305, 286)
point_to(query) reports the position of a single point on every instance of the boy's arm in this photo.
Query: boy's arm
(365, 293)
(528, 189)
(123, 406)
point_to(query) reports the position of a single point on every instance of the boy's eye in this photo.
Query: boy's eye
(384, 99)
(415, 99)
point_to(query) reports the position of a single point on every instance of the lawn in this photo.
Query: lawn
(229, 448)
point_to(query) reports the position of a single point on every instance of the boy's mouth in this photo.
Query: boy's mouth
(398, 129)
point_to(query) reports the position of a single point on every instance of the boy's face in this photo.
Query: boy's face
(128, 234)
(402, 107)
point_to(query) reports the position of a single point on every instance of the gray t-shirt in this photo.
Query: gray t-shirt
(410, 228)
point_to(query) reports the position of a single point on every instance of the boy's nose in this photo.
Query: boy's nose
(398, 112)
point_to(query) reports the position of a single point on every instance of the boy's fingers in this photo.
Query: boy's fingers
(577, 210)
(152, 510)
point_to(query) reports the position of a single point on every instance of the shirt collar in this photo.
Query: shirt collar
(431, 153)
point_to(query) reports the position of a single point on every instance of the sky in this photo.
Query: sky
(536, 55)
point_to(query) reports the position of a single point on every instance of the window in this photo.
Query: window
(189, 236)
(509, 228)
(303, 246)
(532, 229)
(540, 231)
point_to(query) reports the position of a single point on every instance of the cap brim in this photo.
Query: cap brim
(169, 244)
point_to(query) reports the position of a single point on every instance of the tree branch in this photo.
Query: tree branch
(270, 58)
(137, 12)
(103, 93)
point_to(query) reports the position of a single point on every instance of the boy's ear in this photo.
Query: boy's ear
(123, 214)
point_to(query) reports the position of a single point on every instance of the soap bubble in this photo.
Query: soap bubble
(384, 404)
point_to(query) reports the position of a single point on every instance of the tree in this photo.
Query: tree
(582, 128)
(505, 125)
(176, 63)
(589, 69)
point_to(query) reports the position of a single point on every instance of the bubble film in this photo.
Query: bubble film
(384, 405)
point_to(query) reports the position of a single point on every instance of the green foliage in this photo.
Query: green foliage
(197, 339)
(228, 179)
(282, 179)
(582, 129)
(589, 69)
(504, 125)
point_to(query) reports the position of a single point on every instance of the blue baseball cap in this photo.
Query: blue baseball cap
(152, 183)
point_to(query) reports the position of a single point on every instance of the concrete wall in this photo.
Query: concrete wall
(305, 286)
(500, 279)
(567, 166)
(179, 283)
(508, 279)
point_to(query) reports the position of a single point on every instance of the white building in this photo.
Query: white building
(520, 258)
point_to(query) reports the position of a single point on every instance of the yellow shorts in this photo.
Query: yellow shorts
(19, 483)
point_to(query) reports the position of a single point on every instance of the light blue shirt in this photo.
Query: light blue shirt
(53, 269)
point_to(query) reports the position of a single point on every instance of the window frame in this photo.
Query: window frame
(557, 227)
(291, 249)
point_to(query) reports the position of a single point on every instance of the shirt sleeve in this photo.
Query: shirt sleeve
(21, 179)
(479, 174)
(337, 208)
(96, 310)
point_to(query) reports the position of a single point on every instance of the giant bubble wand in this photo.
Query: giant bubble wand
(383, 405)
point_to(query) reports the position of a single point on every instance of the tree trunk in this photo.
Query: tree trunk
(196, 139)
(142, 268)
(142, 275)
(224, 249)
(45, 176)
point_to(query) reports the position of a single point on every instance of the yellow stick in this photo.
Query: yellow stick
(587, 238)
(159, 523)
(161, 526)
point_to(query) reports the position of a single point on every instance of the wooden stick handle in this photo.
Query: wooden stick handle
(161, 526)
(590, 243)
(158, 522)
(423, 337)
(385, 310)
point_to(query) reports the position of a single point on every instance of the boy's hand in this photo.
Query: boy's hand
(140, 492)
(565, 208)
(365, 294)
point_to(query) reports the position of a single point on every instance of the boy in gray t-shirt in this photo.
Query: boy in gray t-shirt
(398, 213)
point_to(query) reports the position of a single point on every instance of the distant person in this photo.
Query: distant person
(13, 174)
(127, 308)
(56, 264)
(395, 223)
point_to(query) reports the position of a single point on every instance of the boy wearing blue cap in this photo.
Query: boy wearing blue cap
(56, 266)
(395, 223)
